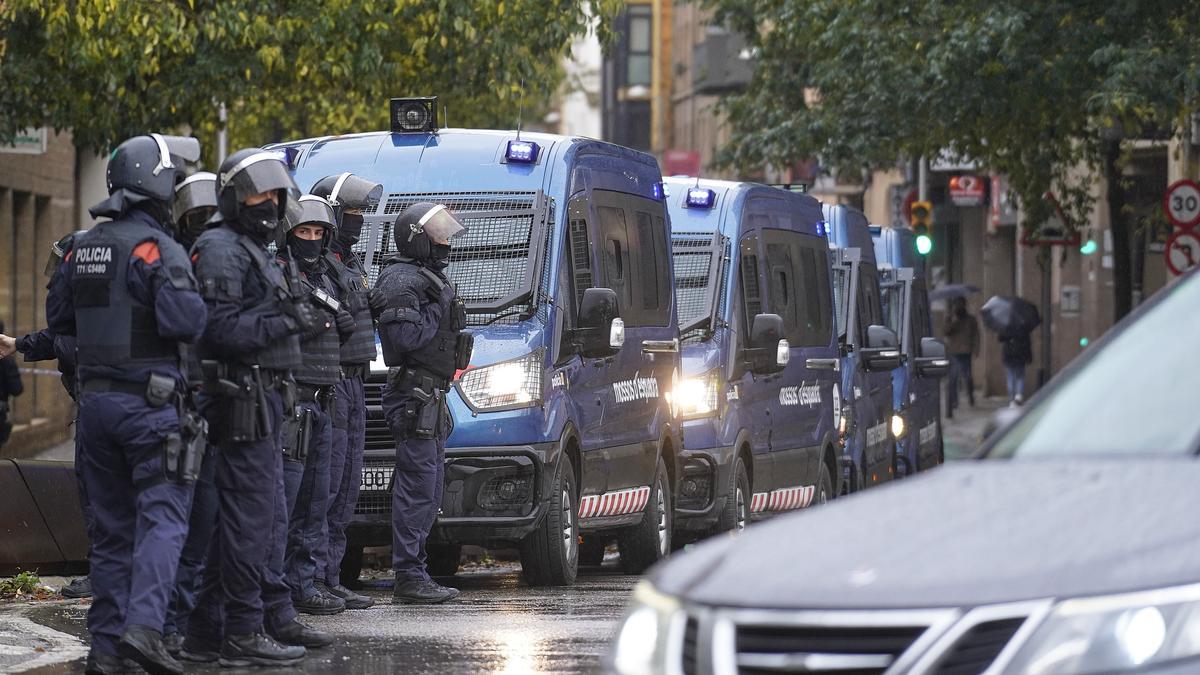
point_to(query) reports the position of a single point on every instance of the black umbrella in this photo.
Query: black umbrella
(1009, 316)
(952, 291)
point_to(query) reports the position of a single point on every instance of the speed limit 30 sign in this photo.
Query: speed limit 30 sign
(1181, 202)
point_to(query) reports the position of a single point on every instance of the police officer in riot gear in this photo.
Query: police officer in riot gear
(195, 203)
(126, 291)
(247, 354)
(307, 436)
(421, 320)
(350, 196)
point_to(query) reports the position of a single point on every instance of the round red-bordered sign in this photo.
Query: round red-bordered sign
(1183, 252)
(1181, 203)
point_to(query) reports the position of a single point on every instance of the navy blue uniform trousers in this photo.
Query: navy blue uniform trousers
(417, 492)
(349, 422)
(139, 519)
(249, 479)
(307, 485)
(202, 522)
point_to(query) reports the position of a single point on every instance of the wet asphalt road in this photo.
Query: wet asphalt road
(498, 625)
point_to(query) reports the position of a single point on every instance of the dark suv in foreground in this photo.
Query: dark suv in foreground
(1067, 546)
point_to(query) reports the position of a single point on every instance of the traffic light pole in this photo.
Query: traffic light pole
(922, 179)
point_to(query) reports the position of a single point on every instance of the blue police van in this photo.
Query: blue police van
(916, 387)
(562, 422)
(870, 352)
(760, 353)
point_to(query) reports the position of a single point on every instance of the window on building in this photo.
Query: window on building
(639, 63)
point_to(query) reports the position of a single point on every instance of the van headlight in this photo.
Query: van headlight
(1116, 633)
(505, 385)
(898, 426)
(652, 623)
(698, 396)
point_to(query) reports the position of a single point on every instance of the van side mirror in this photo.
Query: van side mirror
(882, 351)
(767, 352)
(601, 332)
(933, 361)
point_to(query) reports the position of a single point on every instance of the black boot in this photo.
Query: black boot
(173, 642)
(198, 650)
(296, 633)
(257, 649)
(421, 592)
(144, 646)
(353, 600)
(320, 604)
(78, 588)
(107, 664)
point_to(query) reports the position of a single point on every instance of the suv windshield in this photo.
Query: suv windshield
(1135, 395)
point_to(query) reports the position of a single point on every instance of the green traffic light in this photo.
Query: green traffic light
(924, 244)
(1089, 247)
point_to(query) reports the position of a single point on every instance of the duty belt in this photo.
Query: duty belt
(350, 372)
(310, 394)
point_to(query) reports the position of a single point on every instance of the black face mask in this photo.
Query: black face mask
(304, 250)
(350, 229)
(260, 218)
(192, 225)
(439, 252)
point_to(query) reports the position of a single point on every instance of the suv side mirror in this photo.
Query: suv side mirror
(601, 331)
(768, 352)
(933, 361)
(882, 351)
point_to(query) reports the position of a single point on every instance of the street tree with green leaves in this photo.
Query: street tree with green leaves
(1034, 90)
(109, 69)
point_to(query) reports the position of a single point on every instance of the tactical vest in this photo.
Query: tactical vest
(114, 328)
(351, 281)
(284, 353)
(439, 355)
(321, 362)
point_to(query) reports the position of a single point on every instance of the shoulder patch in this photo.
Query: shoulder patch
(147, 252)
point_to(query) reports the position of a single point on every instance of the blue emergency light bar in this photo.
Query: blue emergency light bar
(822, 228)
(521, 152)
(659, 191)
(700, 198)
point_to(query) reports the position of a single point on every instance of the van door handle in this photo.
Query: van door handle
(822, 364)
(660, 346)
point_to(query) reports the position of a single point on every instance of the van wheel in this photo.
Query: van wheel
(443, 559)
(824, 486)
(352, 562)
(550, 554)
(650, 540)
(736, 514)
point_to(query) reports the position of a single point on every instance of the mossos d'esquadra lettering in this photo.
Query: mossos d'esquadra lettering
(637, 389)
(805, 395)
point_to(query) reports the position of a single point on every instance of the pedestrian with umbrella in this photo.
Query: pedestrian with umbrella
(1013, 319)
(961, 331)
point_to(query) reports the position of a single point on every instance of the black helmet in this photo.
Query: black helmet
(151, 165)
(420, 228)
(309, 210)
(59, 249)
(250, 172)
(195, 202)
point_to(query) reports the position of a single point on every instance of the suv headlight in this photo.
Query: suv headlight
(508, 384)
(698, 396)
(653, 622)
(1115, 633)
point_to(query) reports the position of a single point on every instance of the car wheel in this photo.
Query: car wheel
(824, 486)
(650, 540)
(736, 514)
(443, 559)
(550, 554)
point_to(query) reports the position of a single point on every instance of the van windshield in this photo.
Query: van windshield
(697, 279)
(1135, 395)
(496, 264)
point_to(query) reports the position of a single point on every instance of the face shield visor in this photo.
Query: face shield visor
(259, 173)
(353, 192)
(310, 209)
(175, 152)
(439, 225)
(198, 191)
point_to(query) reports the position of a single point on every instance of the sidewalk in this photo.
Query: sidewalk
(964, 433)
